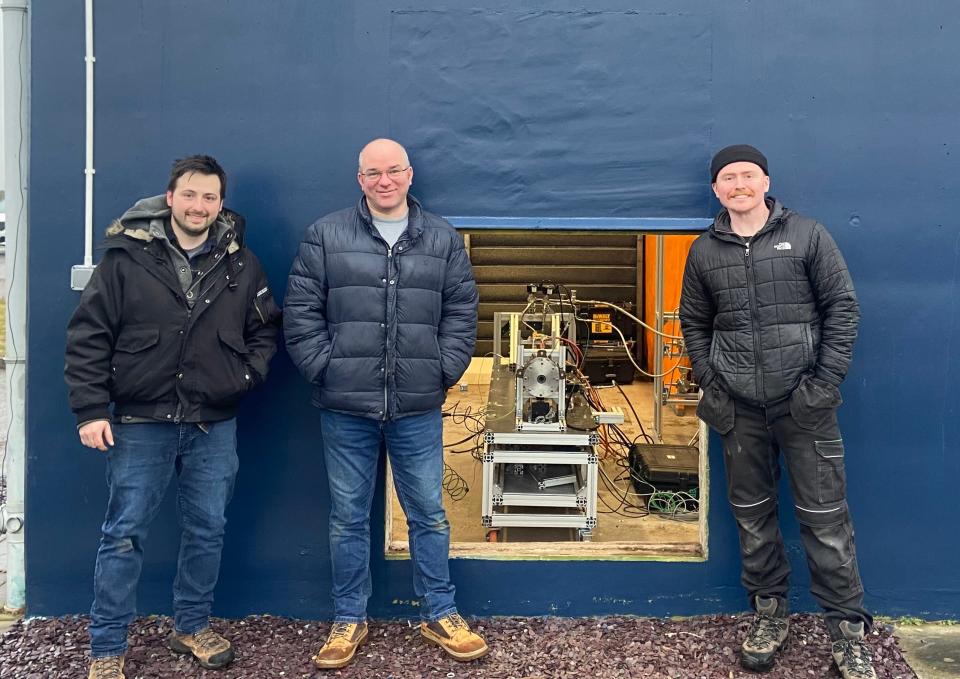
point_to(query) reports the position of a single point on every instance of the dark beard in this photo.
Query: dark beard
(192, 230)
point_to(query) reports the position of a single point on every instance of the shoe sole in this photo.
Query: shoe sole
(459, 657)
(753, 665)
(337, 664)
(181, 648)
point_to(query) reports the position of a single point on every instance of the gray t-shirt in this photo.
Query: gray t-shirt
(391, 229)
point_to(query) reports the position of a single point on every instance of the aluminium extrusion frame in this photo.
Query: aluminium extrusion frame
(581, 495)
(568, 498)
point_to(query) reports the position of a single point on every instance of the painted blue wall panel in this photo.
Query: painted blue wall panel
(497, 96)
(536, 110)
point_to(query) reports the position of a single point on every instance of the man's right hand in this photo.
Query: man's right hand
(96, 434)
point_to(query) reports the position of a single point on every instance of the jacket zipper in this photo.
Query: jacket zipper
(216, 264)
(183, 347)
(752, 294)
(186, 327)
(386, 344)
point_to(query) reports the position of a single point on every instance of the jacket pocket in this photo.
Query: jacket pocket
(813, 401)
(136, 338)
(713, 352)
(225, 378)
(831, 474)
(325, 368)
(809, 357)
(716, 408)
(443, 374)
(132, 366)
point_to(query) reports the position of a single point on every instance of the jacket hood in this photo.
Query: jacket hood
(154, 207)
(144, 221)
(721, 225)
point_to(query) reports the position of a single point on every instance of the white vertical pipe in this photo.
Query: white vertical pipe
(658, 340)
(88, 171)
(16, 83)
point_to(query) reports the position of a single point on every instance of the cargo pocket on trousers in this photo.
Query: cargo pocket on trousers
(831, 476)
(716, 408)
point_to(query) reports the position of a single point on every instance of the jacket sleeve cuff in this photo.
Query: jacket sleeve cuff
(707, 379)
(826, 376)
(92, 413)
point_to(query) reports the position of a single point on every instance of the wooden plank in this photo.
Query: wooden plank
(565, 551)
(540, 239)
(552, 256)
(568, 275)
(513, 292)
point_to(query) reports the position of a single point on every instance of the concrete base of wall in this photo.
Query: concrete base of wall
(933, 651)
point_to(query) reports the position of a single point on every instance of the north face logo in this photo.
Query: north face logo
(782, 246)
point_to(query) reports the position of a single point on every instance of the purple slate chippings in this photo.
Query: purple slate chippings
(521, 648)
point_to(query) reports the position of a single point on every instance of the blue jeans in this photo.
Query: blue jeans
(139, 468)
(351, 448)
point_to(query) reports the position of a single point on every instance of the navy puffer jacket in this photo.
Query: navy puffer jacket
(381, 332)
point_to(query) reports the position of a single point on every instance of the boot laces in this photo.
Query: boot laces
(341, 631)
(108, 668)
(208, 639)
(456, 622)
(857, 659)
(765, 630)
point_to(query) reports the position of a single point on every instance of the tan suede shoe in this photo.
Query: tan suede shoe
(210, 649)
(342, 644)
(107, 668)
(453, 635)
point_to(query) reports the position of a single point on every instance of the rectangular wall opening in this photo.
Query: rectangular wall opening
(573, 434)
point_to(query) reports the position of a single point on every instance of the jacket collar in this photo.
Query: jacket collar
(414, 216)
(721, 225)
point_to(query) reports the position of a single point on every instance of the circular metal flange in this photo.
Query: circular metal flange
(541, 377)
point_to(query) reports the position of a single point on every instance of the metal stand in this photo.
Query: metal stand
(533, 478)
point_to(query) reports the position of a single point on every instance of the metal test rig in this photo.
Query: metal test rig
(540, 462)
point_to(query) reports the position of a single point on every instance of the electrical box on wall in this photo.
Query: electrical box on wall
(80, 275)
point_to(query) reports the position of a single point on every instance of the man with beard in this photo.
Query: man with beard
(769, 317)
(176, 325)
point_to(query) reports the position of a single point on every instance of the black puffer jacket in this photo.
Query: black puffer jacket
(157, 351)
(759, 318)
(380, 332)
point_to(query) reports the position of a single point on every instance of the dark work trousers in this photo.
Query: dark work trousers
(813, 452)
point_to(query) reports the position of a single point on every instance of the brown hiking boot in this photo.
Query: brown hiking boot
(210, 649)
(767, 635)
(453, 635)
(852, 656)
(342, 644)
(107, 668)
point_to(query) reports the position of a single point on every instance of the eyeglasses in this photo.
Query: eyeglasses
(374, 175)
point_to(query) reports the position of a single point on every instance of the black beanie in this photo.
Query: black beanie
(735, 154)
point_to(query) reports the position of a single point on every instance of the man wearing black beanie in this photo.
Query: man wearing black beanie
(769, 317)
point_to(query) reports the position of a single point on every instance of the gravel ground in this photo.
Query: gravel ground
(521, 648)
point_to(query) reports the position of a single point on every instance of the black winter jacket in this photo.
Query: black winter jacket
(380, 332)
(137, 339)
(761, 317)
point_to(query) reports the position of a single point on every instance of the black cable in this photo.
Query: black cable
(643, 432)
(454, 484)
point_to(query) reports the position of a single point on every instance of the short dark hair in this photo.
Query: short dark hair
(199, 163)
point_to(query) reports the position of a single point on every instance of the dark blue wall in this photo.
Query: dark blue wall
(532, 109)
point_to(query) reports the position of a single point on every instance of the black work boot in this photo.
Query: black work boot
(852, 656)
(767, 635)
